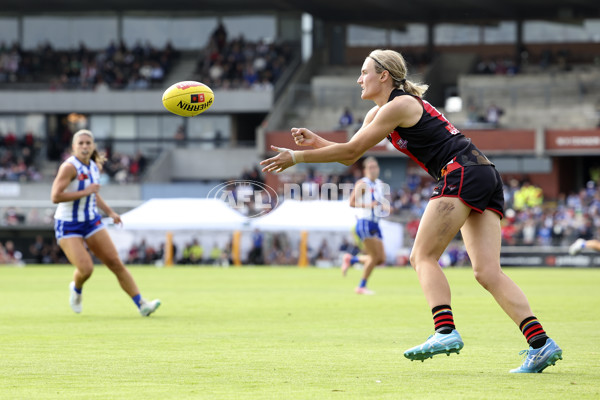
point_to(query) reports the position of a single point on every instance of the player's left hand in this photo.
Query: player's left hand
(116, 218)
(280, 162)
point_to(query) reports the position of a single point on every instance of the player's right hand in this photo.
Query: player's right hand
(93, 188)
(304, 137)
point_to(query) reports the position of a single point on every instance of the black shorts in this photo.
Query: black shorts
(478, 186)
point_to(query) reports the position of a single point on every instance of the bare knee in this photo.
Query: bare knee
(114, 264)
(418, 260)
(378, 259)
(486, 277)
(85, 271)
(413, 261)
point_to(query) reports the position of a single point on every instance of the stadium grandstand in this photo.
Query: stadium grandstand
(522, 80)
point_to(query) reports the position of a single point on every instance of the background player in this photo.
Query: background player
(368, 197)
(77, 221)
(581, 244)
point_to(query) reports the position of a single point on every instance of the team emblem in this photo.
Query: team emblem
(197, 98)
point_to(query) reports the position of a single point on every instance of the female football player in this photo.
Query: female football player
(468, 198)
(368, 197)
(77, 222)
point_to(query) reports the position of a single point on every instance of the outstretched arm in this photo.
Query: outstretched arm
(386, 119)
(305, 137)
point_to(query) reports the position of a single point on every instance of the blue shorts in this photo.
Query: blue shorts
(366, 229)
(66, 229)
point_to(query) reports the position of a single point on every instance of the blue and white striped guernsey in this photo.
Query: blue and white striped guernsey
(83, 209)
(373, 193)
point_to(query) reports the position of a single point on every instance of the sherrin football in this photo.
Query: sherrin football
(188, 98)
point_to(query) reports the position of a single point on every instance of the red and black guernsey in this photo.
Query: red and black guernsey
(433, 141)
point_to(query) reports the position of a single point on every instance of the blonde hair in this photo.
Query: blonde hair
(368, 160)
(98, 158)
(393, 62)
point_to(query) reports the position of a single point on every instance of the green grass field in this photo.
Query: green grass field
(285, 333)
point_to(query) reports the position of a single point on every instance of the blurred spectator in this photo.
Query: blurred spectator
(279, 251)
(57, 256)
(12, 217)
(193, 253)
(528, 196)
(323, 252)
(347, 247)
(123, 168)
(509, 229)
(218, 256)
(39, 250)
(219, 36)
(346, 119)
(255, 257)
(493, 114)
(150, 255)
(133, 256)
(456, 255)
(10, 255)
(143, 254)
(218, 139)
(17, 158)
(179, 136)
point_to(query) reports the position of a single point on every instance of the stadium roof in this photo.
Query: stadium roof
(372, 12)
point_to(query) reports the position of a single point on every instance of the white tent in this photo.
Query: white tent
(183, 214)
(210, 221)
(324, 219)
(310, 215)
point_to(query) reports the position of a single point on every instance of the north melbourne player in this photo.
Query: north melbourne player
(77, 223)
(369, 199)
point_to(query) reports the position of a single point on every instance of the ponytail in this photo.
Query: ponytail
(418, 89)
(99, 158)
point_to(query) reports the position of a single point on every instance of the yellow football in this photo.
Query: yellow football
(188, 98)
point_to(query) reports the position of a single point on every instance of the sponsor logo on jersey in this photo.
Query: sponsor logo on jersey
(402, 143)
(82, 177)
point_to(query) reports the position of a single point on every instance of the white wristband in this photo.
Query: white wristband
(293, 156)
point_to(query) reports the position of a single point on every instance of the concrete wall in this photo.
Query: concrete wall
(176, 190)
(239, 101)
(38, 194)
(194, 165)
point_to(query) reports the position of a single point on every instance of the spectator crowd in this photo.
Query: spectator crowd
(115, 67)
(504, 64)
(17, 157)
(239, 63)
(529, 221)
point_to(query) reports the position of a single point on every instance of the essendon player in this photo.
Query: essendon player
(468, 198)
